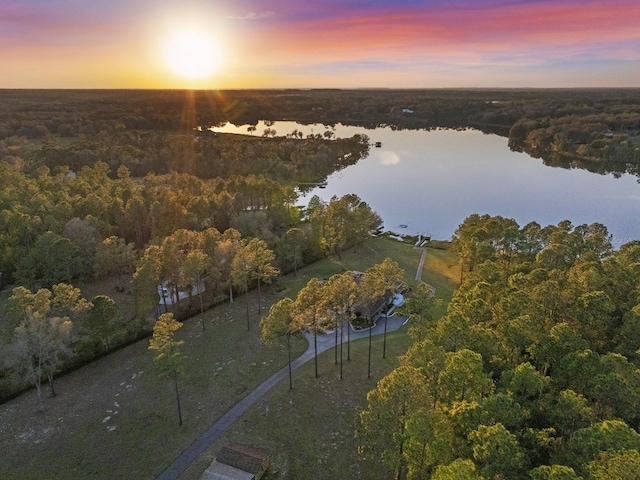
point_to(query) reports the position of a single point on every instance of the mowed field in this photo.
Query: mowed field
(114, 419)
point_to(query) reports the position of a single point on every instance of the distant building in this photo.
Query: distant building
(168, 294)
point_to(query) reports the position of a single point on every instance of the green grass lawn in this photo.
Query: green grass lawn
(309, 430)
(114, 419)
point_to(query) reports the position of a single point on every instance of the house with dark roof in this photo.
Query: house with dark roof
(370, 311)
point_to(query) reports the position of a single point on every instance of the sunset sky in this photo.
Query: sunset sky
(322, 43)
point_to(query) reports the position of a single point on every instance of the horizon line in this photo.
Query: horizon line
(307, 89)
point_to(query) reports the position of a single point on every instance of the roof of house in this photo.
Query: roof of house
(371, 309)
(222, 471)
(244, 457)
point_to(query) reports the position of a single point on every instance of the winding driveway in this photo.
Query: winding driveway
(325, 342)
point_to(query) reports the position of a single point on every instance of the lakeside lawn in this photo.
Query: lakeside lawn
(114, 419)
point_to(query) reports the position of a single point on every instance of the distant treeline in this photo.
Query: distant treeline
(590, 128)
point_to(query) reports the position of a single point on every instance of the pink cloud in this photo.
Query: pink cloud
(558, 28)
(25, 26)
(254, 16)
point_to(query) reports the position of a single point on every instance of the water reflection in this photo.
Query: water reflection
(428, 182)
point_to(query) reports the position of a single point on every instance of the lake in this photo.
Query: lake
(428, 182)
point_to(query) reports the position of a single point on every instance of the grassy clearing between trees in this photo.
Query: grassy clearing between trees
(114, 419)
(309, 430)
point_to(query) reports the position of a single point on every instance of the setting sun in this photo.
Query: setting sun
(192, 54)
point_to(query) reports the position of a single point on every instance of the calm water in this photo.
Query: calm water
(429, 182)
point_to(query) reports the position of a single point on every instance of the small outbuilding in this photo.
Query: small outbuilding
(238, 462)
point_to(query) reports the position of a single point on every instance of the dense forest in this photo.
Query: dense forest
(75, 214)
(175, 230)
(532, 373)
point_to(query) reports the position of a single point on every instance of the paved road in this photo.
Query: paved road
(214, 432)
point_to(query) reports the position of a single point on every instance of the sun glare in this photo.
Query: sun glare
(192, 54)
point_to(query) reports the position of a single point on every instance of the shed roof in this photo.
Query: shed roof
(244, 457)
(222, 471)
